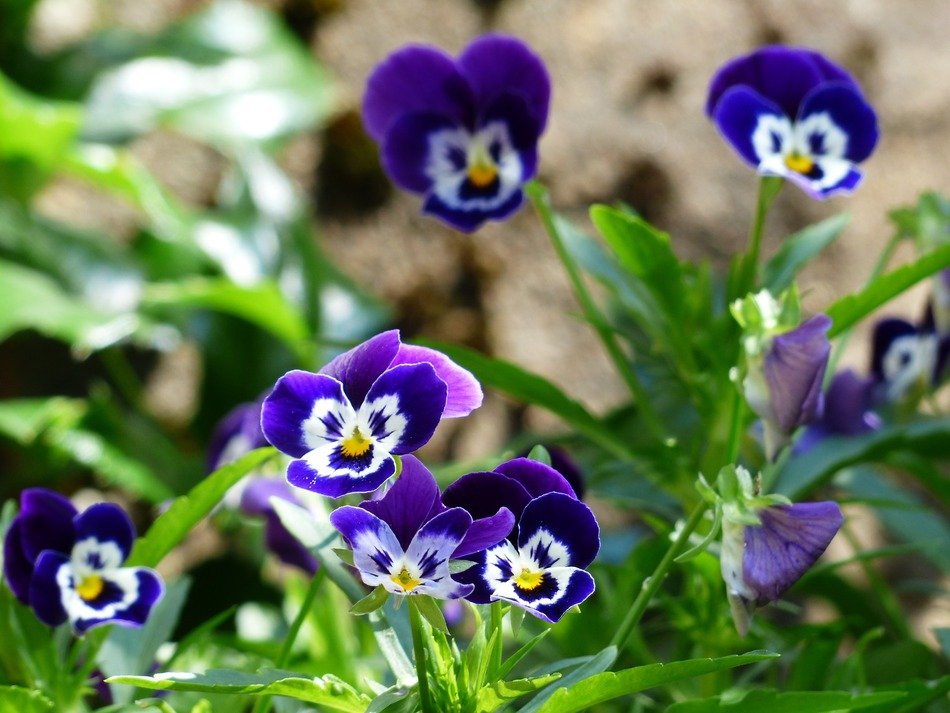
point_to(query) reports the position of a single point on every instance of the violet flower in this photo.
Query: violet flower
(461, 132)
(380, 399)
(848, 403)
(541, 566)
(906, 358)
(405, 540)
(793, 113)
(67, 566)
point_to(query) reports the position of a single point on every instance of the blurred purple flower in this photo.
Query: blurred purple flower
(793, 113)
(847, 411)
(462, 132)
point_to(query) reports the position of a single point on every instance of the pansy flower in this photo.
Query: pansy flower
(848, 411)
(405, 540)
(461, 132)
(792, 112)
(67, 566)
(541, 566)
(906, 358)
(380, 399)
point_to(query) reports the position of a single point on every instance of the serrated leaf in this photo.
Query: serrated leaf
(328, 691)
(14, 699)
(593, 665)
(371, 602)
(792, 702)
(492, 697)
(185, 512)
(798, 249)
(606, 686)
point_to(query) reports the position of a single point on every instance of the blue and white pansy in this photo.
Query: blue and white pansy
(541, 566)
(907, 360)
(791, 112)
(68, 566)
(461, 132)
(381, 399)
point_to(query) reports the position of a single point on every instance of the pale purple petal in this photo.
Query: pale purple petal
(794, 370)
(412, 501)
(463, 392)
(358, 368)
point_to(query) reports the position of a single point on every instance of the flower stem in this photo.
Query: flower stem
(539, 198)
(653, 582)
(419, 653)
(769, 187)
(263, 703)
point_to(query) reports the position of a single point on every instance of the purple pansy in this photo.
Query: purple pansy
(235, 435)
(461, 132)
(67, 566)
(905, 357)
(380, 399)
(793, 113)
(847, 411)
(541, 566)
(405, 540)
(256, 501)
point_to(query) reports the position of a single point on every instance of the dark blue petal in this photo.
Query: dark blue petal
(485, 532)
(737, 114)
(847, 402)
(537, 478)
(420, 400)
(406, 148)
(432, 546)
(106, 522)
(464, 393)
(794, 370)
(498, 64)
(411, 502)
(290, 404)
(469, 220)
(789, 541)
(255, 500)
(417, 78)
(567, 520)
(46, 522)
(17, 569)
(845, 186)
(886, 332)
(483, 494)
(362, 477)
(149, 590)
(45, 596)
(579, 588)
(359, 367)
(848, 110)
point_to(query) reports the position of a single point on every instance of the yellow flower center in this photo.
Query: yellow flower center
(799, 163)
(90, 587)
(355, 445)
(482, 175)
(405, 580)
(529, 580)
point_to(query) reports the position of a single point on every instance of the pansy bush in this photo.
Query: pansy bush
(677, 553)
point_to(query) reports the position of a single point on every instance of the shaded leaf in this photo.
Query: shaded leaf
(793, 702)
(798, 250)
(492, 697)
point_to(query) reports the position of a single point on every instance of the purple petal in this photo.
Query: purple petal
(45, 596)
(417, 78)
(781, 75)
(374, 545)
(358, 368)
(239, 432)
(789, 541)
(17, 569)
(255, 500)
(579, 587)
(483, 494)
(148, 589)
(288, 548)
(849, 180)
(106, 522)
(430, 551)
(290, 405)
(406, 148)
(468, 220)
(738, 114)
(537, 478)
(404, 407)
(886, 332)
(847, 402)
(325, 472)
(567, 520)
(848, 110)
(463, 392)
(46, 522)
(412, 501)
(794, 369)
(497, 64)
(486, 532)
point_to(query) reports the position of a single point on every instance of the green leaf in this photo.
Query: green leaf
(430, 610)
(371, 602)
(849, 310)
(793, 702)
(592, 665)
(328, 691)
(345, 555)
(14, 699)
(609, 685)
(185, 512)
(457, 566)
(798, 250)
(540, 454)
(533, 389)
(492, 697)
(519, 655)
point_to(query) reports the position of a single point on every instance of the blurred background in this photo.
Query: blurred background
(174, 173)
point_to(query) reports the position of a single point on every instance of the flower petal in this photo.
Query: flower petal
(497, 64)
(486, 532)
(417, 78)
(886, 332)
(789, 541)
(755, 127)
(403, 407)
(560, 589)
(468, 217)
(566, 521)
(847, 109)
(106, 522)
(304, 411)
(359, 367)
(794, 369)
(288, 548)
(463, 392)
(326, 471)
(537, 478)
(375, 547)
(17, 569)
(483, 494)
(127, 599)
(46, 522)
(239, 432)
(431, 549)
(407, 148)
(255, 500)
(411, 502)
(45, 596)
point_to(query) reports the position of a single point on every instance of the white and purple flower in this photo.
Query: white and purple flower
(793, 113)
(906, 359)
(405, 540)
(344, 425)
(541, 567)
(462, 132)
(67, 566)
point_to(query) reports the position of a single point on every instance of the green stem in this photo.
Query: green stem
(539, 198)
(889, 604)
(263, 703)
(769, 187)
(419, 652)
(653, 582)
